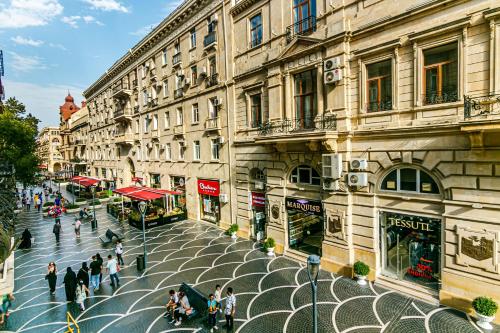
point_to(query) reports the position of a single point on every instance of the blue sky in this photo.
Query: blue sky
(52, 46)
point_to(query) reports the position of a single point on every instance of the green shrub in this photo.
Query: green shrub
(361, 269)
(102, 195)
(48, 204)
(135, 216)
(269, 243)
(233, 228)
(117, 200)
(94, 202)
(80, 199)
(485, 306)
(70, 206)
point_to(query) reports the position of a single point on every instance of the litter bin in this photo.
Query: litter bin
(140, 262)
(93, 223)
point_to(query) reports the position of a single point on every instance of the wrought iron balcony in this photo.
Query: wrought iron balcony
(210, 38)
(124, 114)
(121, 90)
(440, 97)
(176, 59)
(300, 125)
(379, 106)
(301, 28)
(212, 80)
(481, 106)
(212, 124)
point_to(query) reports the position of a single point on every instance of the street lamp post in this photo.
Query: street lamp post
(313, 272)
(142, 209)
(94, 222)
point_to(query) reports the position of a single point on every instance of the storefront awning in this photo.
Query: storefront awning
(143, 193)
(85, 181)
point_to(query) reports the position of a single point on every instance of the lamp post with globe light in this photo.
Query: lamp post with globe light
(142, 209)
(313, 262)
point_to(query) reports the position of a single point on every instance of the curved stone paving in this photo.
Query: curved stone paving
(273, 294)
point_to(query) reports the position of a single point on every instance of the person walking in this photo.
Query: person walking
(83, 275)
(78, 223)
(70, 284)
(38, 203)
(28, 203)
(100, 261)
(218, 297)
(95, 270)
(57, 201)
(119, 253)
(81, 294)
(230, 308)
(57, 229)
(25, 240)
(112, 269)
(212, 312)
(51, 277)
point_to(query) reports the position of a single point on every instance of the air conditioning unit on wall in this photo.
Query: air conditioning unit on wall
(359, 179)
(359, 164)
(334, 76)
(332, 165)
(330, 184)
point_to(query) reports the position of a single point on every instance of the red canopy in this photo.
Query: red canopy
(85, 181)
(143, 193)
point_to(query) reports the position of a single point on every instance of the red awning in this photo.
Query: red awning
(143, 193)
(85, 181)
(42, 166)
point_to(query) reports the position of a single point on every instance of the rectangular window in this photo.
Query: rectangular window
(177, 48)
(156, 151)
(193, 38)
(256, 30)
(164, 57)
(194, 75)
(196, 151)
(379, 86)
(139, 153)
(195, 114)
(167, 119)
(212, 65)
(304, 12)
(144, 97)
(180, 117)
(165, 88)
(212, 108)
(155, 122)
(440, 81)
(256, 109)
(168, 152)
(215, 149)
(146, 125)
(305, 99)
(181, 151)
(144, 70)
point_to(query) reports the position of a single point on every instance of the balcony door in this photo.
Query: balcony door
(305, 95)
(302, 12)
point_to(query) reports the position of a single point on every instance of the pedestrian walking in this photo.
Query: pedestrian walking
(57, 229)
(212, 312)
(119, 252)
(57, 201)
(51, 277)
(25, 240)
(70, 285)
(78, 223)
(38, 203)
(218, 297)
(112, 268)
(95, 270)
(7, 300)
(81, 294)
(100, 261)
(28, 203)
(83, 275)
(230, 308)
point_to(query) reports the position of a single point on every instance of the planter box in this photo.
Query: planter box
(96, 206)
(162, 220)
(81, 203)
(103, 199)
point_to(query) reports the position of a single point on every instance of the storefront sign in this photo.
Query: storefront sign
(258, 199)
(209, 187)
(478, 248)
(307, 206)
(411, 222)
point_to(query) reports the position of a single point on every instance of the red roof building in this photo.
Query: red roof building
(68, 108)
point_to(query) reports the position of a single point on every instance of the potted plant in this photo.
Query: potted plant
(233, 229)
(485, 308)
(361, 270)
(269, 245)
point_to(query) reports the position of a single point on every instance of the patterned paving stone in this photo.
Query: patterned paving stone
(266, 323)
(347, 314)
(302, 295)
(283, 276)
(299, 321)
(390, 304)
(272, 300)
(346, 288)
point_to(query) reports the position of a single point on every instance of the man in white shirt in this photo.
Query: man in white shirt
(230, 308)
(112, 269)
(119, 252)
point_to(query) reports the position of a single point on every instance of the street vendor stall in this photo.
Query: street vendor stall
(164, 206)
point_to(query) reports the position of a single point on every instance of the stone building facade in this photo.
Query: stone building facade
(48, 144)
(78, 125)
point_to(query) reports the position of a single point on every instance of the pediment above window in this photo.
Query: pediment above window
(300, 46)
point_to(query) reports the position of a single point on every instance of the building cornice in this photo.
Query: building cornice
(242, 6)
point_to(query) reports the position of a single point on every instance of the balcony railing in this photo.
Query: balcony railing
(438, 97)
(212, 80)
(122, 114)
(121, 89)
(304, 27)
(179, 130)
(212, 124)
(378, 106)
(176, 59)
(210, 39)
(178, 93)
(481, 106)
(124, 138)
(300, 125)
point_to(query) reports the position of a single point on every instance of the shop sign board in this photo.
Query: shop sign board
(209, 187)
(304, 205)
(258, 199)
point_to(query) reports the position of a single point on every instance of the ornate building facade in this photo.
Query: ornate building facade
(49, 142)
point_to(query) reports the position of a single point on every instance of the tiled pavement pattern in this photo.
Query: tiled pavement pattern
(273, 294)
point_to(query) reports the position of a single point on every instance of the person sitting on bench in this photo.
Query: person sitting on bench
(83, 213)
(110, 234)
(184, 308)
(173, 301)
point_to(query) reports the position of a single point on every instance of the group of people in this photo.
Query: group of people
(178, 307)
(27, 197)
(77, 285)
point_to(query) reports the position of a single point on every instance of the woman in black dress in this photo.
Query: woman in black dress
(70, 284)
(52, 277)
(25, 240)
(83, 274)
(100, 261)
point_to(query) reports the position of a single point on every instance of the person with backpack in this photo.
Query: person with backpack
(57, 230)
(212, 312)
(81, 294)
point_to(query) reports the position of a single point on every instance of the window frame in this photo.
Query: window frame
(214, 148)
(418, 182)
(196, 150)
(192, 36)
(194, 75)
(378, 79)
(168, 151)
(256, 29)
(164, 57)
(179, 116)
(182, 151)
(311, 170)
(302, 97)
(253, 123)
(195, 114)
(165, 88)
(166, 120)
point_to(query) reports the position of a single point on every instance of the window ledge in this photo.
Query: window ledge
(197, 123)
(458, 103)
(214, 161)
(196, 161)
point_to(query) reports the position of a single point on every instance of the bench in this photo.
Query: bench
(108, 237)
(197, 300)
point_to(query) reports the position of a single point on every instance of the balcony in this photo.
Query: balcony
(210, 39)
(122, 138)
(212, 124)
(176, 59)
(302, 129)
(124, 114)
(378, 106)
(152, 75)
(121, 90)
(179, 129)
(440, 97)
(212, 80)
(301, 28)
(482, 120)
(178, 93)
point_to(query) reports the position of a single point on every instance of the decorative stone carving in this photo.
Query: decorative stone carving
(281, 147)
(478, 248)
(335, 223)
(330, 145)
(275, 211)
(313, 145)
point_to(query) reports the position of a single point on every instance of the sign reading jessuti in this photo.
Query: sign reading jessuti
(411, 222)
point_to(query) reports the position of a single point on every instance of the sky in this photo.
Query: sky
(51, 47)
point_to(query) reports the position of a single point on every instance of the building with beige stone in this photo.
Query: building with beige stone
(48, 144)
(355, 130)
(78, 126)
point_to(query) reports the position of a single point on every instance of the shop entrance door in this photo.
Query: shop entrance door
(305, 225)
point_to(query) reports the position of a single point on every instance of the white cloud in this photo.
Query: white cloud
(25, 63)
(58, 46)
(43, 100)
(107, 5)
(26, 41)
(28, 13)
(143, 31)
(73, 20)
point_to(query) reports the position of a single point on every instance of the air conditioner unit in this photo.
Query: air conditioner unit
(333, 76)
(221, 140)
(259, 185)
(359, 164)
(224, 198)
(330, 184)
(357, 179)
(332, 165)
(331, 64)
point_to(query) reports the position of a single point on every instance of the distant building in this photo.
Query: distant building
(65, 111)
(49, 142)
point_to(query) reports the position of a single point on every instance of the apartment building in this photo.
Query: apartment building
(366, 130)
(159, 116)
(78, 126)
(66, 149)
(48, 144)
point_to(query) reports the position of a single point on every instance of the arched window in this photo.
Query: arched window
(409, 180)
(304, 174)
